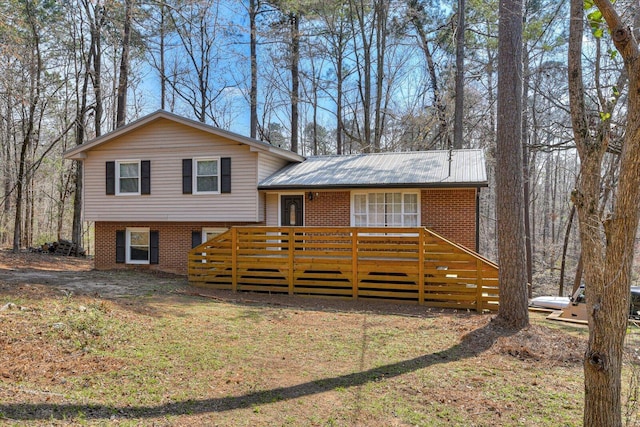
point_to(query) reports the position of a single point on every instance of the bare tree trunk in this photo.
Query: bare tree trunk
(607, 243)
(546, 212)
(163, 73)
(295, 78)
(565, 245)
(123, 81)
(253, 43)
(95, 14)
(35, 74)
(459, 106)
(7, 173)
(525, 170)
(381, 12)
(339, 94)
(442, 137)
(363, 66)
(510, 214)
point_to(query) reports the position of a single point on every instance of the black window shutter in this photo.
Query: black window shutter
(145, 177)
(154, 248)
(196, 238)
(187, 181)
(120, 246)
(111, 178)
(225, 175)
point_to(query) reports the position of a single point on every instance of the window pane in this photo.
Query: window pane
(411, 220)
(128, 170)
(360, 220)
(207, 183)
(207, 167)
(128, 185)
(139, 253)
(411, 203)
(139, 238)
(360, 204)
(376, 210)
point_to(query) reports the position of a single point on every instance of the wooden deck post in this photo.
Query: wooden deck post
(421, 266)
(234, 259)
(479, 286)
(354, 262)
(291, 263)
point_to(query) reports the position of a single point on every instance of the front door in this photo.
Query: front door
(291, 211)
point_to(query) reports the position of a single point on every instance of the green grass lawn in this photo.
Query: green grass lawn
(183, 360)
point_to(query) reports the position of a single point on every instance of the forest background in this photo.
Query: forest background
(323, 77)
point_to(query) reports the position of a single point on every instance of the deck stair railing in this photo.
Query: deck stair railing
(400, 264)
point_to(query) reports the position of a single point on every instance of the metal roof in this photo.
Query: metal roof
(438, 168)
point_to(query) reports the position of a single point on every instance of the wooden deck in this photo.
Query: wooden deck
(400, 264)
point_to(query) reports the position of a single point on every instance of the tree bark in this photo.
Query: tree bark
(35, 74)
(510, 214)
(607, 243)
(163, 74)
(295, 78)
(526, 171)
(442, 137)
(459, 105)
(123, 80)
(565, 245)
(253, 58)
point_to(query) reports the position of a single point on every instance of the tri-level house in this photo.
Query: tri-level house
(164, 184)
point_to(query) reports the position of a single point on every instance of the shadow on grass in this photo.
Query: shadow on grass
(472, 344)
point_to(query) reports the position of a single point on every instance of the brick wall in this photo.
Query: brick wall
(174, 241)
(451, 213)
(328, 209)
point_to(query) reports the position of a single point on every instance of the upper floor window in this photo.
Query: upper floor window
(128, 177)
(206, 178)
(210, 175)
(382, 209)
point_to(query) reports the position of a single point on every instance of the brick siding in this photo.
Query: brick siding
(328, 209)
(451, 213)
(174, 241)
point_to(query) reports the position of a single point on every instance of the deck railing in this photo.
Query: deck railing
(401, 264)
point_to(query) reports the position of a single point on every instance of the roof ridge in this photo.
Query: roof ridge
(392, 152)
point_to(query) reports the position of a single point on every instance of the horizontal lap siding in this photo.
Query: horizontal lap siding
(267, 166)
(165, 144)
(272, 209)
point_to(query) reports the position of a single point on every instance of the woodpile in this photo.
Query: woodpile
(62, 247)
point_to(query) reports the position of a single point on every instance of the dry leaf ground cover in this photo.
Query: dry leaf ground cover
(133, 348)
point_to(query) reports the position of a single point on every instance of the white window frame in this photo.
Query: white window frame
(403, 214)
(139, 177)
(195, 174)
(128, 245)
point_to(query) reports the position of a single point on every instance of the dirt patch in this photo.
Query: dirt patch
(77, 276)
